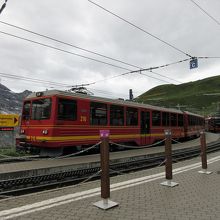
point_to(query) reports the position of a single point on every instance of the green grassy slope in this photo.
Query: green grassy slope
(202, 96)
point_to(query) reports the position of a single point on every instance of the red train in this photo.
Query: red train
(213, 124)
(53, 121)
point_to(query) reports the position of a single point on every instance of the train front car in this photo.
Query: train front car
(37, 122)
(55, 121)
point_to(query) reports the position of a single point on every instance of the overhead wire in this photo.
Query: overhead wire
(150, 69)
(3, 6)
(141, 29)
(130, 71)
(62, 50)
(50, 83)
(83, 49)
(82, 56)
(12, 76)
(65, 43)
(204, 11)
(140, 70)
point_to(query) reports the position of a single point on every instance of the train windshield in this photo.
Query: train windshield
(26, 110)
(41, 109)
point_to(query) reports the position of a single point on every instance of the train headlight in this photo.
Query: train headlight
(22, 131)
(45, 131)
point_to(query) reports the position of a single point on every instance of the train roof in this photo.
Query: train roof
(101, 99)
(193, 114)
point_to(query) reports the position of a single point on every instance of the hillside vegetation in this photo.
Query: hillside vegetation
(202, 96)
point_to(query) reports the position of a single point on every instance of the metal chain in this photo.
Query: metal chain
(137, 147)
(77, 153)
(124, 173)
(59, 157)
(90, 177)
(176, 141)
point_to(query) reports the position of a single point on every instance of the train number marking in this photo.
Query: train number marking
(83, 118)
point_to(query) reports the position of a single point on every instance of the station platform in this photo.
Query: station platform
(140, 196)
(47, 166)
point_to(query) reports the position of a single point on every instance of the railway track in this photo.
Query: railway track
(9, 159)
(24, 185)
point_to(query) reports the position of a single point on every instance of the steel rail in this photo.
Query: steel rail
(24, 185)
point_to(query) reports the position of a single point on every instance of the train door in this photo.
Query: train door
(145, 128)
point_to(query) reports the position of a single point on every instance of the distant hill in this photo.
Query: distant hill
(202, 96)
(11, 102)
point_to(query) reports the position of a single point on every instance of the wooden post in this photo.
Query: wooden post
(168, 155)
(203, 154)
(168, 160)
(104, 157)
(105, 203)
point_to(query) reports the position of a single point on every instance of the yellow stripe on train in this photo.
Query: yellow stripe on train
(94, 137)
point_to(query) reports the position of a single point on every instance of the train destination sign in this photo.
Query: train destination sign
(10, 120)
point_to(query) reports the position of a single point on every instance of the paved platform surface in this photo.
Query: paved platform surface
(94, 160)
(140, 196)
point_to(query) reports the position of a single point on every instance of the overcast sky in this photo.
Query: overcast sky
(79, 22)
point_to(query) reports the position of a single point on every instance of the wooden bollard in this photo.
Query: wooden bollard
(105, 181)
(168, 160)
(203, 154)
(105, 203)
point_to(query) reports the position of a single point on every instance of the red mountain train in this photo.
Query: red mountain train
(55, 120)
(213, 124)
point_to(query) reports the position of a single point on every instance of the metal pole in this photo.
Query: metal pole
(168, 160)
(203, 154)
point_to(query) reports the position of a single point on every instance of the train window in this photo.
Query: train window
(41, 109)
(116, 115)
(173, 119)
(189, 120)
(98, 113)
(180, 120)
(156, 118)
(67, 109)
(26, 111)
(165, 118)
(131, 116)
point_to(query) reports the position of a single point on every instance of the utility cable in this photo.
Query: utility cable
(34, 80)
(55, 48)
(153, 77)
(62, 50)
(3, 6)
(145, 69)
(68, 44)
(6, 75)
(203, 10)
(139, 28)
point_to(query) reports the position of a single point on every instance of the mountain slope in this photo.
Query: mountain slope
(11, 102)
(202, 96)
